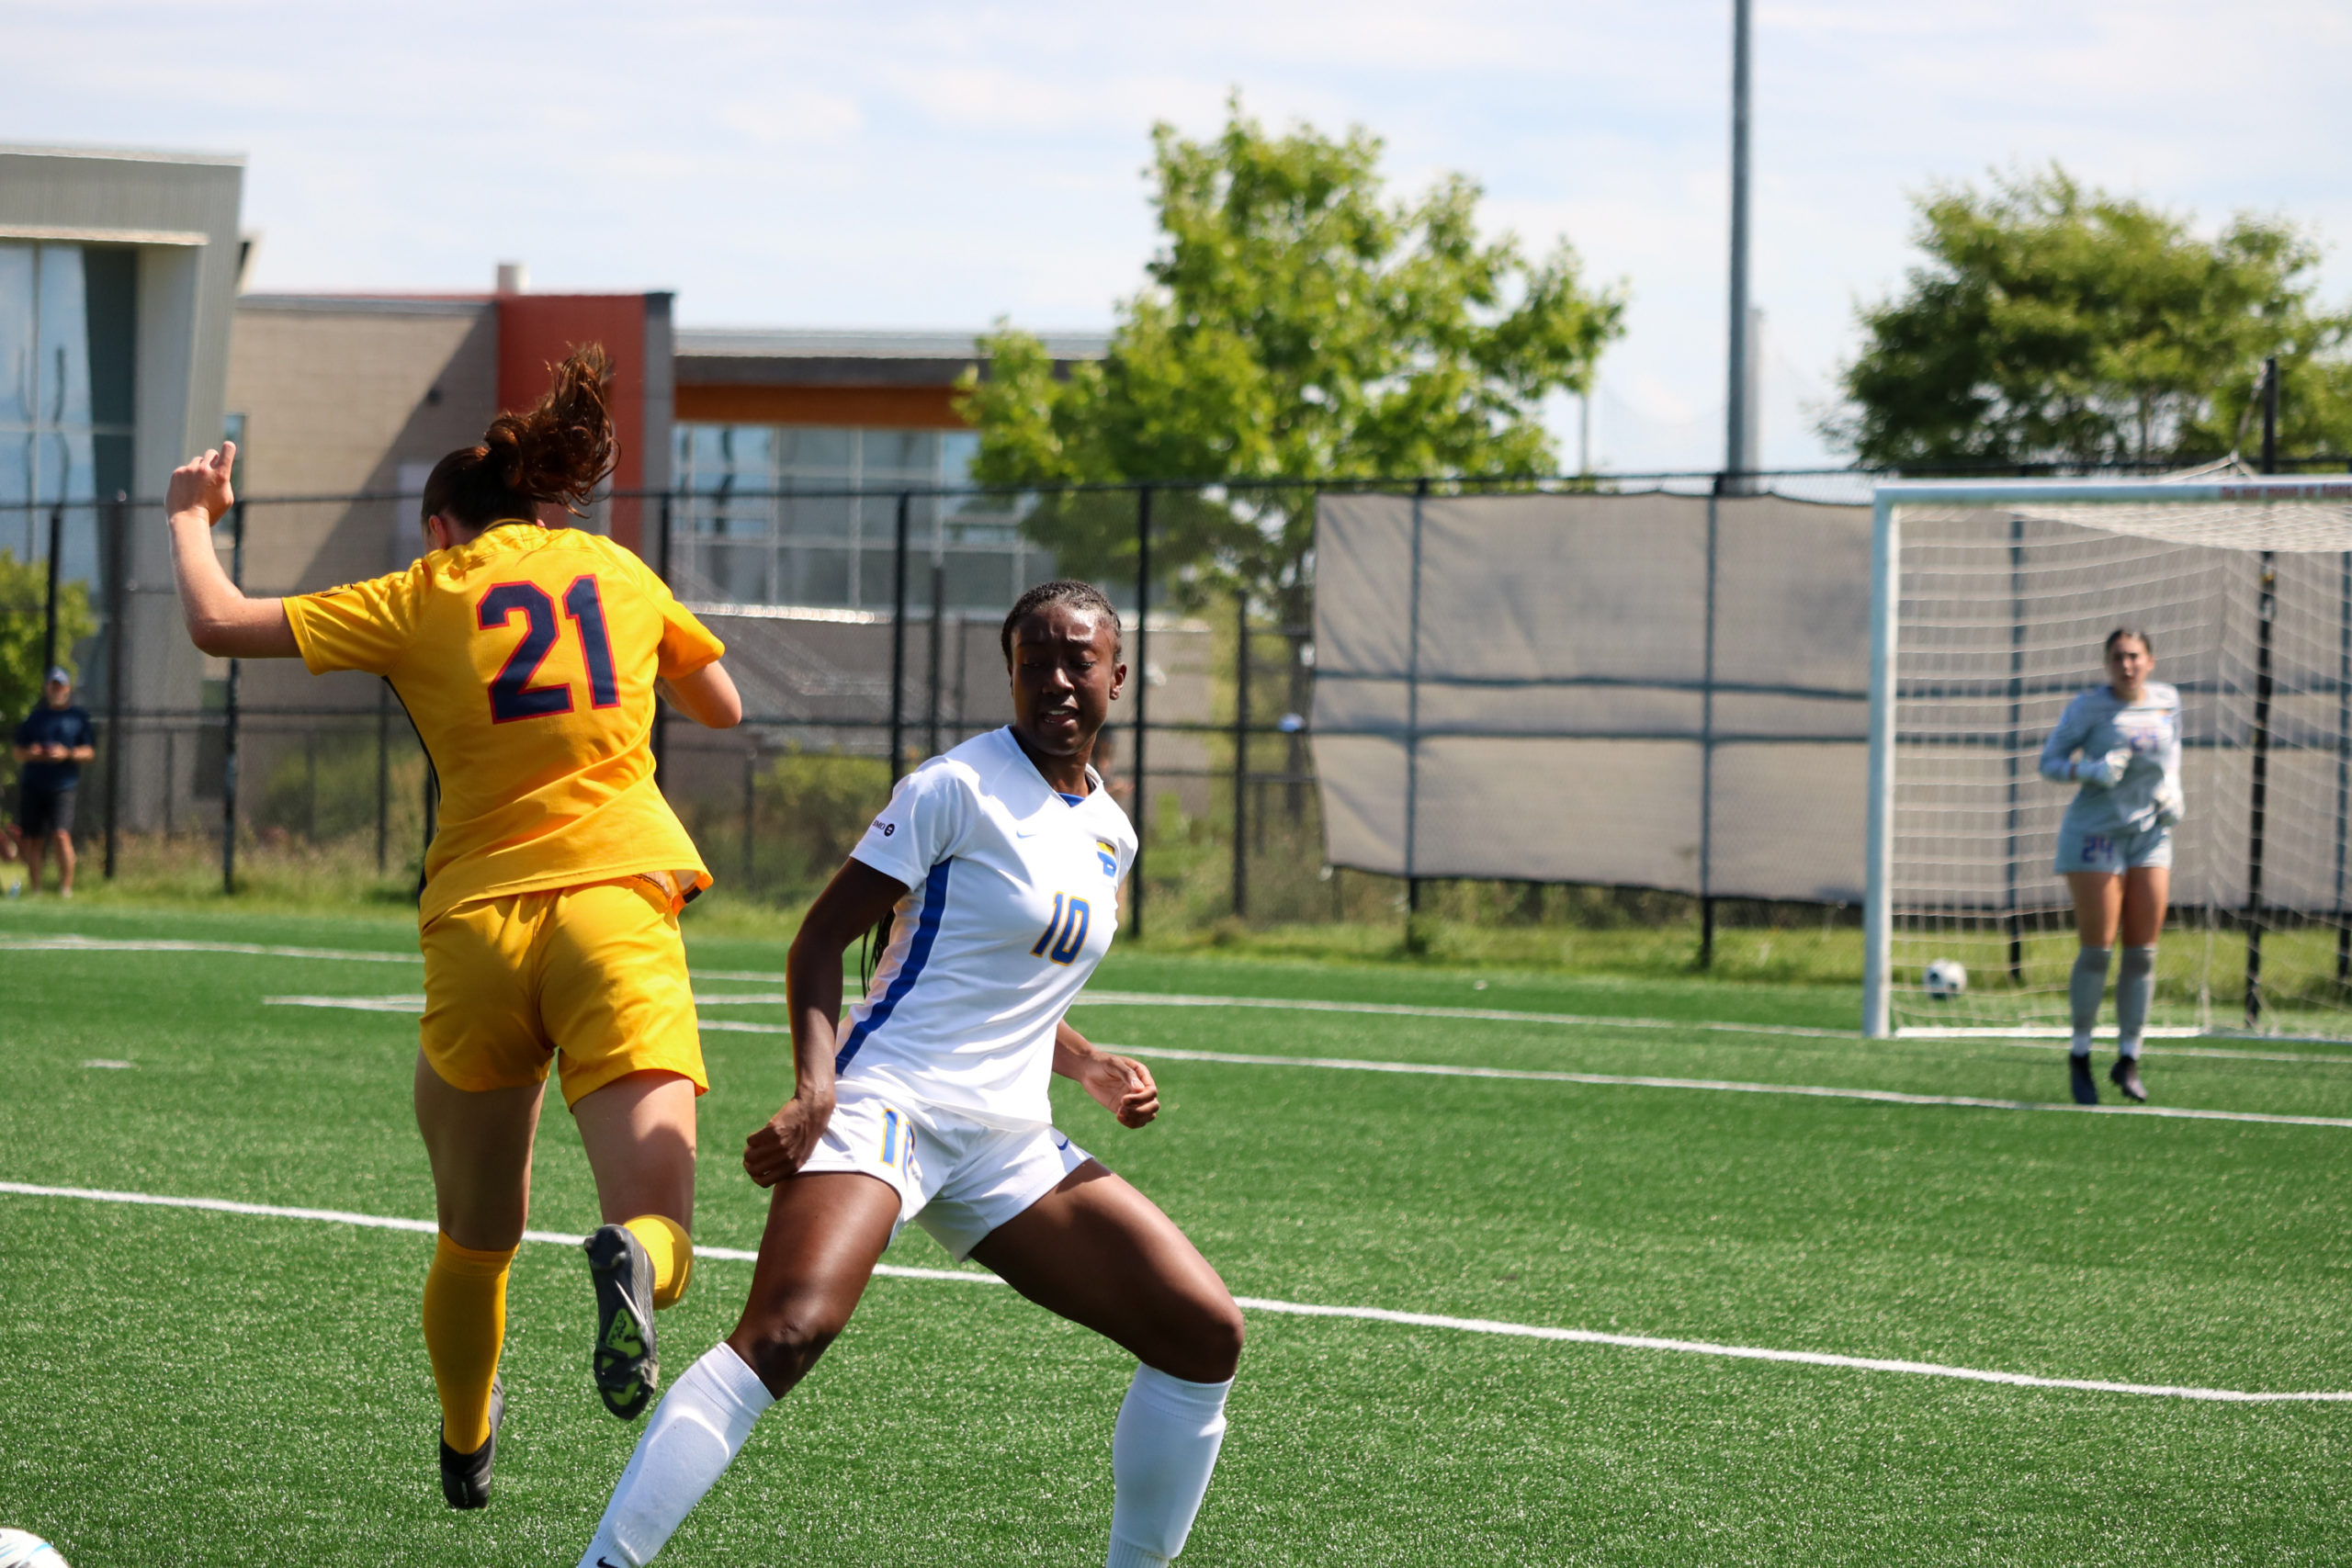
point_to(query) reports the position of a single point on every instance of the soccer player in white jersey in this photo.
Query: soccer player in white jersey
(2122, 743)
(997, 865)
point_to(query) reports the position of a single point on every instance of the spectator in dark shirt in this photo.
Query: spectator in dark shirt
(51, 745)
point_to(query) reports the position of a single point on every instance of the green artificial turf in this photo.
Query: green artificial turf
(192, 1387)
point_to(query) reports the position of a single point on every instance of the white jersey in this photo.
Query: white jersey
(1012, 896)
(2098, 723)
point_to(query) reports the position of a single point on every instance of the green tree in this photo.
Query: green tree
(1296, 322)
(2051, 323)
(24, 592)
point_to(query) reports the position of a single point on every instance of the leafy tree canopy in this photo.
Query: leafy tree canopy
(1299, 323)
(2051, 323)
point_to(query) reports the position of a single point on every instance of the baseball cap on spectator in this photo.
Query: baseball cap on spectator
(60, 675)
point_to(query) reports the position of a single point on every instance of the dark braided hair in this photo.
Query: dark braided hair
(558, 450)
(1061, 591)
(2136, 634)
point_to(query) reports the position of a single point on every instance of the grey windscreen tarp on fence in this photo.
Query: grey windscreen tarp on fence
(1654, 690)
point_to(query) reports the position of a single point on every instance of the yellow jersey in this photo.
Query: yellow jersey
(526, 660)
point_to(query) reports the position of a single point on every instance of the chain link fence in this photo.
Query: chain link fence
(862, 629)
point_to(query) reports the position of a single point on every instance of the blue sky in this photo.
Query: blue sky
(923, 166)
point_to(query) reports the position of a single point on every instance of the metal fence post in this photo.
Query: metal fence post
(2343, 754)
(2260, 797)
(118, 574)
(383, 774)
(899, 641)
(931, 686)
(49, 620)
(750, 807)
(661, 709)
(1707, 755)
(1143, 687)
(1413, 706)
(2017, 721)
(229, 719)
(1241, 754)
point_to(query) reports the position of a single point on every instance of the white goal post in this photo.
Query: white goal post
(1991, 601)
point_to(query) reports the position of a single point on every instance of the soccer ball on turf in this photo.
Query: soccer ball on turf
(1944, 979)
(22, 1548)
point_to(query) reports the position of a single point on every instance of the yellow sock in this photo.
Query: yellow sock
(465, 1322)
(672, 1252)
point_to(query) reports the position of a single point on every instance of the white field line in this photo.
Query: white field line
(73, 944)
(416, 1004)
(2030, 1038)
(1522, 1074)
(1293, 1309)
(1724, 1086)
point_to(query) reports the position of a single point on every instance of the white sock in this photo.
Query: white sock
(2081, 1049)
(1161, 1454)
(690, 1439)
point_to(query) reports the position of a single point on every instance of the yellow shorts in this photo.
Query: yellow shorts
(595, 975)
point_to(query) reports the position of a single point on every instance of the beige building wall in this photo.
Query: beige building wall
(338, 397)
(341, 397)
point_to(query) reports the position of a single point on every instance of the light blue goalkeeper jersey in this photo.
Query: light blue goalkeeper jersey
(2098, 723)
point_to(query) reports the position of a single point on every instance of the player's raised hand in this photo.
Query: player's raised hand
(203, 483)
(784, 1145)
(1122, 1086)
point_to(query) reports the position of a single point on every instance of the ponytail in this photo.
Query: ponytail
(558, 451)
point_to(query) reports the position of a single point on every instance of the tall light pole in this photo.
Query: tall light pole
(1739, 421)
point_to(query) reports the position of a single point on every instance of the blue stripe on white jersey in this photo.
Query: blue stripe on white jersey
(934, 903)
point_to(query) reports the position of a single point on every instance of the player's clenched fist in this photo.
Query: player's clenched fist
(203, 483)
(1122, 1086)
(781, 1147)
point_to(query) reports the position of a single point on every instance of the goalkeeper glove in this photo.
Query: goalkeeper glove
(2104, 772)
(2169, 805)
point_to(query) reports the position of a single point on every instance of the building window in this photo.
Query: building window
(67, 331)
(789, 515)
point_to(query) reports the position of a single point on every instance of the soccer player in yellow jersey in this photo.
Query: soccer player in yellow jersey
(528, 658)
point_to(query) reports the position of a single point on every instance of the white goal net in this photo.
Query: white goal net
(1992, 603)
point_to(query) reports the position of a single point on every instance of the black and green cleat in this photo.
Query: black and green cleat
(465, 1478)
(2084, 1086)
(628, 1371)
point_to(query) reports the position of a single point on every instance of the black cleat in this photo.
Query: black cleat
(2086, 1087)
(628, 1369)
(2125, 1076)
(465, 1478)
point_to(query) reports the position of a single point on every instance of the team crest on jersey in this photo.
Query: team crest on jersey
(1108, 856)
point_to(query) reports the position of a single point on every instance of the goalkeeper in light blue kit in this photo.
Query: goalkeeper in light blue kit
(2122, 743)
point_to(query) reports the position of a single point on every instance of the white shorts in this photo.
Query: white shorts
(957, 1178)
(2113, 853)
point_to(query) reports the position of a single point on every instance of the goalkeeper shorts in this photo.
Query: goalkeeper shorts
(589, 980)
(2112, 852)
